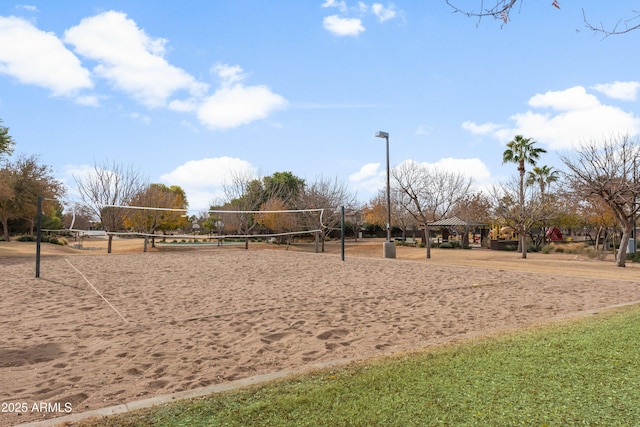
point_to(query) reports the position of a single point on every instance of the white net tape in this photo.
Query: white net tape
(234, 224)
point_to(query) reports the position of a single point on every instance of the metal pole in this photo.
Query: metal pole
(342, 232)
(635, 199)
(38, 235)
(388, 248)
(388, 195)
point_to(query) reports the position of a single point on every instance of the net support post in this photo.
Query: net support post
(38, 235)
(342, 232)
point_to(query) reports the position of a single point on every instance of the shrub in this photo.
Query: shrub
(54, 240)
(44, 239)
(546, 249)
(533, 248)
(446, 245)
(510, 248)
(559, 249)
(634, 257)
(594, 253)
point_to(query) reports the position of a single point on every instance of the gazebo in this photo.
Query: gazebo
(457, 223)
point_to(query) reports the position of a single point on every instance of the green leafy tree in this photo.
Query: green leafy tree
(21, 182)
(247, 193)
(148, 221)
(6, 142)
(284, 186)
(522, 151)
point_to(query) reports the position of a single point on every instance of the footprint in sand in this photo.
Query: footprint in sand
(268, 339)
(333, 333)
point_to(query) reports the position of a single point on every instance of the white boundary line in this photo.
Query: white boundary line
(98, 292)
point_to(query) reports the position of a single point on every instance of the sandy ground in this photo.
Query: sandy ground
(96, 330)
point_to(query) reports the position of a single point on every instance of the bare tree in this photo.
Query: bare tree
(330, 195)
(519, 209)
(243, 192)
(608, 171)
(474, 209)
(108, 186)
(501, 10)
(428, 193)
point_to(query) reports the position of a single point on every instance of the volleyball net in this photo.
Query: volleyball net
(159, 222)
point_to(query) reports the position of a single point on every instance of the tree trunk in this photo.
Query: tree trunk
(427, 236)
(522, 231)
(109, 241)
(5, 229)
(598, 235)
(621, 256)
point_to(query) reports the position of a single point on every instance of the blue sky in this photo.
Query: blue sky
(191, 92)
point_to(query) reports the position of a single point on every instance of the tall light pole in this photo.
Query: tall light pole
(388, 248)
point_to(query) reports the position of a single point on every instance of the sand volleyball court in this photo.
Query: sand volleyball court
(100, 330)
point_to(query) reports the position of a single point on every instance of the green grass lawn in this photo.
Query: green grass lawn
(582, 372)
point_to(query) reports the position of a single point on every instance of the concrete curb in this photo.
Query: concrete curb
(180, 395)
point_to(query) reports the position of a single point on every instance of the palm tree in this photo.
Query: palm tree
(543, 176)
(522, 150)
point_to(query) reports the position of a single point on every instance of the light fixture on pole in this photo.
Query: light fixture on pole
(388, 248)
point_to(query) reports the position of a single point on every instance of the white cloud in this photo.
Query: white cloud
(575, 98)
(369, 179)
(624, 91)
(29, 7)
(37, 57)
(229, 74)
(472, 168)
(230, 107)
(482, 129)
(129, 59)
(141, 117)
(340, 5)
(235, 104)
(343, 26)
(424, 130)
(203, 179)
(384, 13)
(576, 116)
(132, 62)
(88, 100)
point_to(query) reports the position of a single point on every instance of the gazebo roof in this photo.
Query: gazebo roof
(454, 221)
